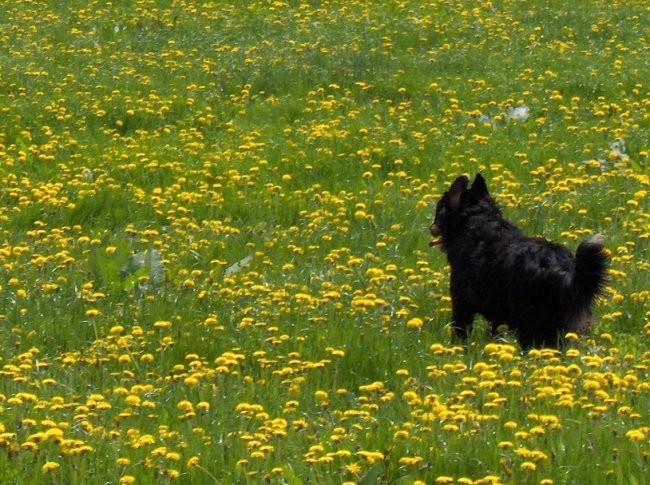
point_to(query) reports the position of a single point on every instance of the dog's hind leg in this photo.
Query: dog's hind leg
(580, 323)
(537, 332)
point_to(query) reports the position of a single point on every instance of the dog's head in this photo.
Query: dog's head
(453, 203)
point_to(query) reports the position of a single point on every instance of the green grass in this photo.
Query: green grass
(310, 142)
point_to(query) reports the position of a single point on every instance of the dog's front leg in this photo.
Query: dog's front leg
(462, 320)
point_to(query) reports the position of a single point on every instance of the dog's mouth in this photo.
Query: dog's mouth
(435, 232)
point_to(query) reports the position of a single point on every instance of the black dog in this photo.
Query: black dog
(534, 286)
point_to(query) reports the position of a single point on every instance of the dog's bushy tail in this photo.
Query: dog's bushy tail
(591, 266)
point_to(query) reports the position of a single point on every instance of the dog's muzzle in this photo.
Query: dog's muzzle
(435, 232)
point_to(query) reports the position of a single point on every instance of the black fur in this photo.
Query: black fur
(536, 287)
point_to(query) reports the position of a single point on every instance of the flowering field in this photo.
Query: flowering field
(214, 246)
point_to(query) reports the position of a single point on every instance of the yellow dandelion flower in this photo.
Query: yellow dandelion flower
(185, 406)
(171, 473)
(410, 460)
(491, 479)
(637, 434)
(415, 323)
(173, 456)
(144, 440)
(191, 381)
(371, 457)
(49, 466)
(353, 468)
(451, 427)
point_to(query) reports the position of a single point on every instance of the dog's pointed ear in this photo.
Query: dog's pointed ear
(479, 188)
(457, 190)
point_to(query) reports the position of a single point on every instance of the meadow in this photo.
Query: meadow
(214, 244)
